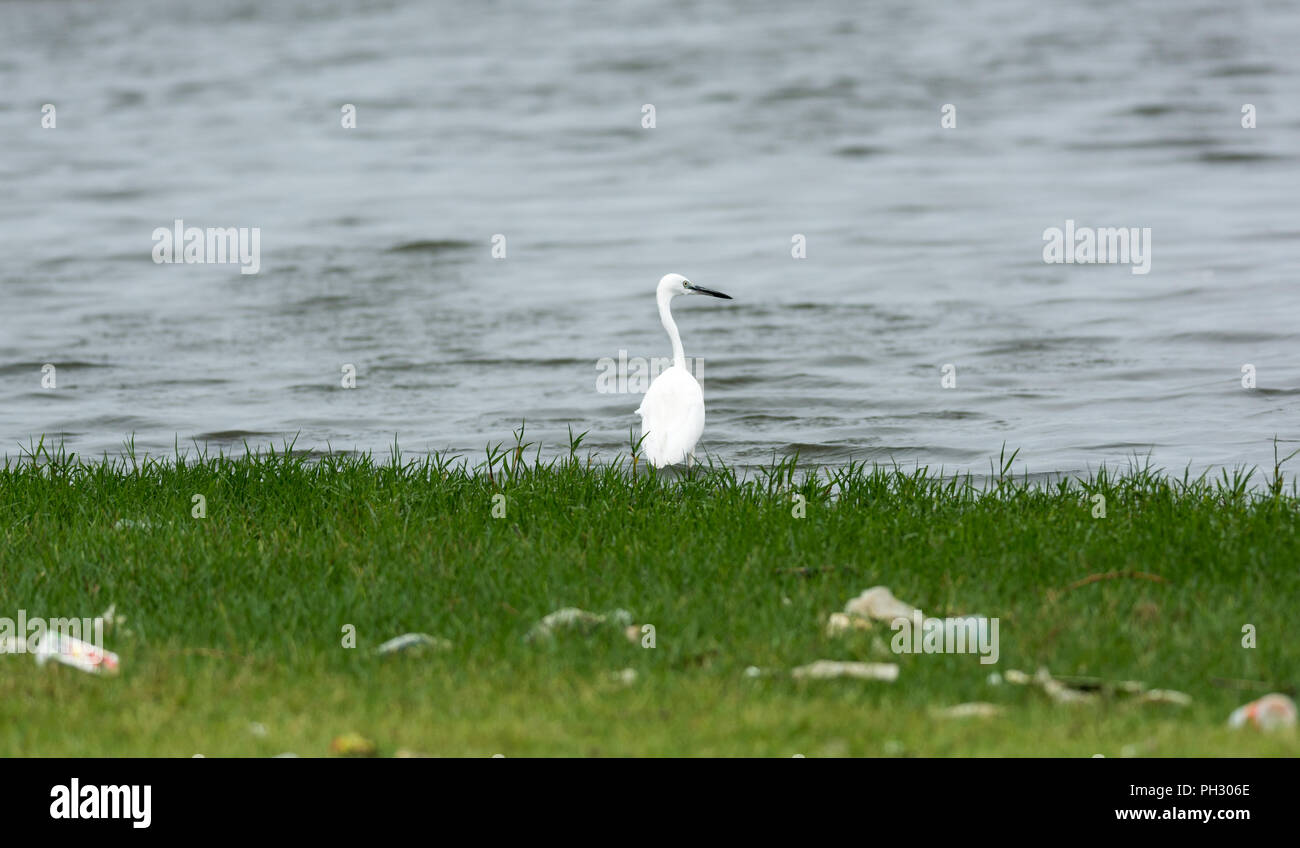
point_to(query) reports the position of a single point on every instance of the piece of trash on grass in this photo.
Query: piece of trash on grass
(625, 676)
(827, 669)
(568, 618)
(353, 745)
(880, 604)
(572, 618)
(1166, 696)
(413, 642)
(1274, 711)
(1059, 692)
(1055, 689)
(754, 671)
(1062, 694)
(842, 622)
(1076, 690)
(975, 709)
(75, 652)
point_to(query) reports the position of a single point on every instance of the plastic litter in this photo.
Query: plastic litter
(880, 604)
(75, 652)
(1274, 711)
(975, 709)
(1166, 696)
(1078, 690)
(842, 622)
(828, 669)
(1055, 689)
(414, 643)
(1059, 692)
(572, 618)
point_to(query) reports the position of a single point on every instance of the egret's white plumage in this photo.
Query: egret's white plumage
(672, 411)
(672, 417)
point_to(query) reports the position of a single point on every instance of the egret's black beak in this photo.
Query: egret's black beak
(709, 292)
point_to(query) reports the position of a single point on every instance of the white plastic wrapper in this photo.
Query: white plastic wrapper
(1271, 712)
(77, 653)
(828, 669)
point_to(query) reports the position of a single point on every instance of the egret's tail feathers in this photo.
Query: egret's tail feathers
(663, 450)
(672, 417)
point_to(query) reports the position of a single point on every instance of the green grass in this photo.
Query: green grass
(237, 618)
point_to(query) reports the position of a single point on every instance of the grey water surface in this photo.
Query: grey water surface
(924, 244)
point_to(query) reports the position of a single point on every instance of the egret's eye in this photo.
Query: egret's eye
(685, 284)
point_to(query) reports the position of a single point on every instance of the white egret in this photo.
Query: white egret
(672, 411)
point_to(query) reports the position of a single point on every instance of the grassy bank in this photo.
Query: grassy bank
(235, 622)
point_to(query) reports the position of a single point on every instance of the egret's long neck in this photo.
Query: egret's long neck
(666, 316)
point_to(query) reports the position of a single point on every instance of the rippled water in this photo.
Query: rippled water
(524, 119)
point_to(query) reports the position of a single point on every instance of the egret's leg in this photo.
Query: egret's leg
(690, 459)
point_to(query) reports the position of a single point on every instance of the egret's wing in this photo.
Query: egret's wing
(672, 417)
